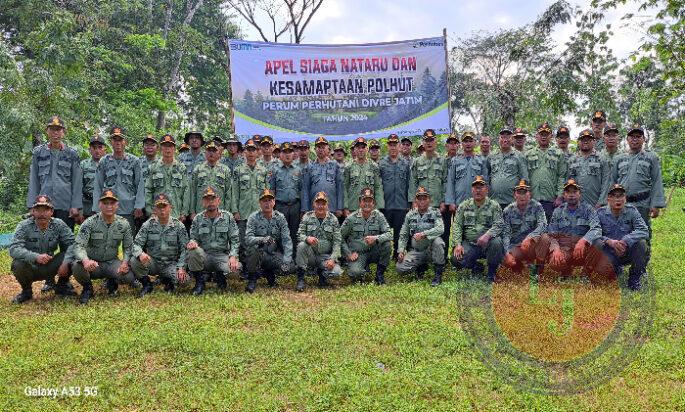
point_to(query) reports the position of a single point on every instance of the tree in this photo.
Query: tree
(282, 16)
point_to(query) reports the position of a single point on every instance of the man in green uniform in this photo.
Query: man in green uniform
(150, 150)
(56, 172)
(33, 249)
(359, 174)
(611, 141)
(451, 147)
(159, 248)
(95, 251)
(547, 170)
(251, 179)
(374, 151)
(524, 225)
(590, 171)
(520, 140)
(286, 182)
(318, 246)
(485, 144)
(233, 159)
(563, 138)
(192, 157)
(366, 238)
(429, 170)
(210, 173)
(476, 230)
(168, 176)
(302, 154)
(214, 244)
(639, 172)
(573, 229)
(266, 148)
(89, 167)
(599, 122)
(269, 248)
(505, 169)
(395, 178)
(420, 240)
(339, 156)
(405, 150)
(121, 172)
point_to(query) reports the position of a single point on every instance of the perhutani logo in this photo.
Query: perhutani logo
(244, 46)
(428, 44)
(549, 334)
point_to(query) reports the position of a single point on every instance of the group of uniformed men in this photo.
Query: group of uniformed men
(204, 215)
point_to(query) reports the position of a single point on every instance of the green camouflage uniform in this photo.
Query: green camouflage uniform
(171, 180)
(166, 246)
(327, 231)
(249, 182)
(29, 241)
(217, 239)
(430, 224)
(353, 231)
(547, 172)
(268, 245)
(505, 171)
(593, 175)
(88, 167)
(430, 173)
(357, 176)
(219, 177)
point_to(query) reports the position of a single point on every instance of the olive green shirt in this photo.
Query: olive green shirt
(217, 235)
(358, 176)
(219, 177)
(593, 174)
(172, 180)
(100, 241)
(259, 228)
(430, 173)
(166, 243)
(640, 173)
(547, 172)
(504, 171)
(247, 187)
(473, 221)
(326, 230)
(29, 241)
(429, 223)
(88, 168)
(355, 228)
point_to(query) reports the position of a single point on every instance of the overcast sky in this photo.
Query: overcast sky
(369, 21)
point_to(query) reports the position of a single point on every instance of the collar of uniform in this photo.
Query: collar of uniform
(171, 222)
(61, 146)
(204, 214)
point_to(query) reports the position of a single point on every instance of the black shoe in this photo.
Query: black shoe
(49, 285)
(147, 286)
(251, 284)
(437, 280)
(380, 275)
(23, 296)
(421, 271)
(199, 284)
(86, 294)
(323, 281)
(300, 281)
(64, 288)
(168, 285)
(271, 279)
(220, 279)
(112, 286)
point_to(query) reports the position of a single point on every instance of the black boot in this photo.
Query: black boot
(323, 281)
(64, 288)
(147, 286)
(251, 283)
(300, 280)
(168, 284)
(420, 271)
(49, 285)
(199, 283)
(437, 280)
(271, 279)
(380, 274)
(23, 296)
(112, 286)
(492, 271)
(220, 279)
(86, 294)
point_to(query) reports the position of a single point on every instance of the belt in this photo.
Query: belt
(279, 202)
(638, 197)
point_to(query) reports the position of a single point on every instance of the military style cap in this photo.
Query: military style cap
(169, 139)
(420, 148)
(109, 194)
(366, 193)
(522, 185)
(479, 180)
(428, 134)
(406, 139)
(321, 196)
(209, 192)
(250, 143)
(277, 147)
(193, 132)
(359, 141)
(43, 200)
(267, 193)
(149, 137)
(339, 147)
(287, 147)
(55, 121)
(393, 138)
(266, 140)
(544, 127)
(452, 137)
(599, 114)
(320, 140)
(303, 144)
(184, 147)
(636, 128)
(586, 133)
(467, 135)
(218, 141)
(563, 130)
(162, 199)
(97, 139)
(211, 146)
(611, 127)
(617, 188)
(374, 143)
(506, 130)
(231, 139)
(518, 132)
(257, 138)
(116, 133)
(571, 183)
(421, 191)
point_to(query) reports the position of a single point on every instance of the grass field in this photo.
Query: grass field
(363, 347)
